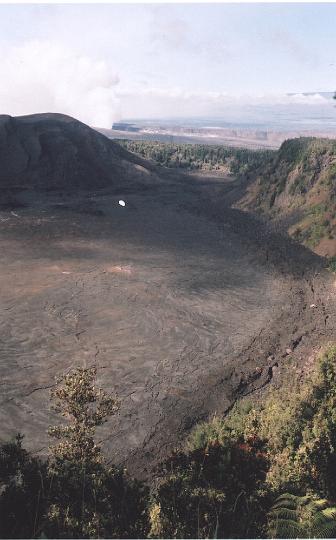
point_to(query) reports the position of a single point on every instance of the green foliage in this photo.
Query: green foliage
(298, 423)
(85, 408)
(314, 233)
(22, 498)
(225, 483)
(293, 516)
(293, 151)
(198, 156)
(299, 186)
(295, 426)
(295, 169)
(305, 151)
(320, 227)
(87, 498)
(213, 491)
(74, 494)
(318, 210)
(332, 264)
(95, 502)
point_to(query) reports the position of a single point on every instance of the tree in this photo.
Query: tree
(77, 399)
(74, 494)
(88, 499)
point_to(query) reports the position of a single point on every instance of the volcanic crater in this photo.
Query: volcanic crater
(182, 302)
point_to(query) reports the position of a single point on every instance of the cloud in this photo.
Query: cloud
(225, 97)
(41, 76)
(160, 102)
(296, 48)
(171, 32)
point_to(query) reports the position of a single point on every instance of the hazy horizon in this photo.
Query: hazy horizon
(102, 63)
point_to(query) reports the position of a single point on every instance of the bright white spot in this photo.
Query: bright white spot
(122, 203)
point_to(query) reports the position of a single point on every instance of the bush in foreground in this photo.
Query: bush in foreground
(22, 484)
(74, 494)
(212, 491)
(266, 469)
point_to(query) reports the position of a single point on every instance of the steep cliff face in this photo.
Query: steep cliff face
(297, 187)
(54, 151)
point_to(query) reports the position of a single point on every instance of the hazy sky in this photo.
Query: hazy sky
(106, 62)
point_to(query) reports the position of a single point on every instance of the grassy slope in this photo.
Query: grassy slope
(297, 185)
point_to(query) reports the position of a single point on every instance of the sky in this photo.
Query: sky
(106, 62)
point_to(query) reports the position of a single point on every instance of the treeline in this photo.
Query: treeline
(266, 470)
(197, 156)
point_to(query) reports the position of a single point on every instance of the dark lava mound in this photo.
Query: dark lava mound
(54, 151)
(182, 302)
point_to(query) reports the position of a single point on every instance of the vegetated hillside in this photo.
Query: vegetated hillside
(54, 151)
(198, 156)
(297, 185)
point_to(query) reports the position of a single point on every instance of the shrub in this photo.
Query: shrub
(211, 491)
(98, 502)
(88, 499)
(22, 491)
(74, 494)
(298, 423)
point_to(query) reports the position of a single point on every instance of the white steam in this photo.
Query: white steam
(45, 77)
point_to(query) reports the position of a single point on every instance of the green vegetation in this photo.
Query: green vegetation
(213, 491)
(319, 225)
(78, 472)
(73, 494)
(198, 156)
(267, 469)
(299, 182)
(299, 159)
(293, 516)
(332, 264)
(260, 451)
(298, 424)
(299, 186)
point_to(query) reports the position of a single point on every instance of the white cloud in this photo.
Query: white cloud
(143, 101)
(225, 97)
(46, 77)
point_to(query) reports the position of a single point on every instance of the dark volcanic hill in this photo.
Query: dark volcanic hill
(54, 151)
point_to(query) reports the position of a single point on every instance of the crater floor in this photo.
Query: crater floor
(163, 295)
